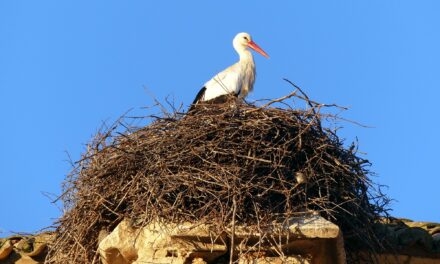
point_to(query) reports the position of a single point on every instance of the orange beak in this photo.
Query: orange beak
(255, 47)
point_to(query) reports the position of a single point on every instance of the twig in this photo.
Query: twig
(312, 103)
(234, 212)
(272, 102)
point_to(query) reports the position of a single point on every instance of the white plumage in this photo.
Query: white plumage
(237, 79)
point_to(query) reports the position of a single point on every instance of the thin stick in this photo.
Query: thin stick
(311, 102)
(234, 212)
(272, 102)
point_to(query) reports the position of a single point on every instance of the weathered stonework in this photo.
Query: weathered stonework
(310, 240)
(24, 249)
(306, 240)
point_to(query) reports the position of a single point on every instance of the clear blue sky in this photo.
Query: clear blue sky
(66, 66)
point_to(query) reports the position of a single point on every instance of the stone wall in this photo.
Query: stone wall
(305, 240)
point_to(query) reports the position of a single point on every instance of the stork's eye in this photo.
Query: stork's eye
(246, 38)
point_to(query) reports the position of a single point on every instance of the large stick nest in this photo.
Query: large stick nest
(259, 163)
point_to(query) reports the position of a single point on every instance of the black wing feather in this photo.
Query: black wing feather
(199, 96)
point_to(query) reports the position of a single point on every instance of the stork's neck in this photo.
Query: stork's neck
(247, 72)
(245, 56)
(244, 53)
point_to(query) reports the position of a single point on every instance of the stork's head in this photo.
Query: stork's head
(243, 41)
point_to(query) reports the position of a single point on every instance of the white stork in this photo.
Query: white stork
(238, 79)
